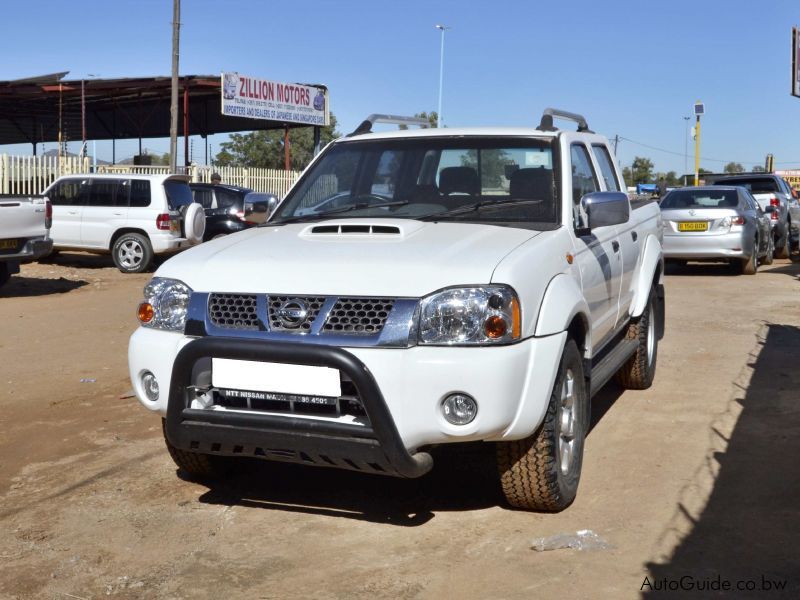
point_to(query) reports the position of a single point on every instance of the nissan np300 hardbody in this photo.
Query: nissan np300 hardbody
(414, 288)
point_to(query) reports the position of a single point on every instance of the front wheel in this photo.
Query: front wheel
(132, 253)
(783, 248)
(640, 369)
(769, 257)
(195, 464)
(5, 275)
(541, 472)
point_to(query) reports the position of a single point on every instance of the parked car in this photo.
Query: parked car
(24, 232)
(773, 190)
(134, 217)
(715, 222)
(451, 299)
(230, 208)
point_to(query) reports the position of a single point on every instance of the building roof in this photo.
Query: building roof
(32, 108)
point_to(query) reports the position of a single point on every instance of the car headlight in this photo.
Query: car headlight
(165, 304)
(487, 314)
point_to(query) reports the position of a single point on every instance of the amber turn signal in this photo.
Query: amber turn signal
(145, 312)
(495, 327)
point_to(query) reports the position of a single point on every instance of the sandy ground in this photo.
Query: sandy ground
(696, 477)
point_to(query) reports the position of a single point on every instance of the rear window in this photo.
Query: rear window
(755, 185)
(700, 199)
(178, 194)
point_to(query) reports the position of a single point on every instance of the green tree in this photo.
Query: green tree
(641, 171)
(265, 148)
(733, 167)
(433, 119)
(759, 169)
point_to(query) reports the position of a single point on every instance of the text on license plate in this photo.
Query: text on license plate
(693, 226)
(277, 378)
(8, 244)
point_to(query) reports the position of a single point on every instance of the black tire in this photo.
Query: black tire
(769, 257)
(542, 471)
(195, 464)
(4, 274)
(640, 369)
(783, 248)
(132, 253)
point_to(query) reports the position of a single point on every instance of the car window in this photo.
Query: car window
(584, 179)
(68, 192)
(227, 198)
(108, 192)
(178, 193)
(755, 185)
(140, 193)
(603, 159)
(203, 196)
(702, 198)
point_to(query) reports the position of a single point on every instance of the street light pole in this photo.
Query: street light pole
(439, 119)
(686, 150)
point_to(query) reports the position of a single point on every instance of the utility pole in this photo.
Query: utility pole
(699, 109)
(685, 149)
(173, 104)
(616, 141)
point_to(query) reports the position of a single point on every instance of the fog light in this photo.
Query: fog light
(459, 409)
(150, 385)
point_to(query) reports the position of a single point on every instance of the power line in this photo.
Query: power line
(719, 160)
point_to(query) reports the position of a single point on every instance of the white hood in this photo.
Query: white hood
(403, 258)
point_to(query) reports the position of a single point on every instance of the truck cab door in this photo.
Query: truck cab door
(598, 254)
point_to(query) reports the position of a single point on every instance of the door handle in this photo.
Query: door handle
(615, 246)
(634, 235)
(117, 214)
(72, 212)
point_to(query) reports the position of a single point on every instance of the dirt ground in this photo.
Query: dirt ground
(696, 478)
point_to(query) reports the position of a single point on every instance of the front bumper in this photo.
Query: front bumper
(401, 391)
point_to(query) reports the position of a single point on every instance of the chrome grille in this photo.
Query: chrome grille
(233, 311)
(274, 303)
(365, 316)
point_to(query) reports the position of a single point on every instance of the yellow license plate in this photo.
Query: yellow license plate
(693, 226)
(8, 244)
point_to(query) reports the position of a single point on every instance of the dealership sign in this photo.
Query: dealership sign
(254, 98)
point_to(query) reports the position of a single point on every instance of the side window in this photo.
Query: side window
(584, 180)
(203, 197)
(140, 193)
(227, 199)
(67, 193)
(108, 192)
(603, 159)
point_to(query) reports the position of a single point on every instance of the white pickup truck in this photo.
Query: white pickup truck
(24, 232)
(415, 288)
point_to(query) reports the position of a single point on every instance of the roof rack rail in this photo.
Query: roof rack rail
(546, 124)
(366, 124)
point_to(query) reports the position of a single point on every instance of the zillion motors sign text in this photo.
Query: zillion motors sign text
(254, 98)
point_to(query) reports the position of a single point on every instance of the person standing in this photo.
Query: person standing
(215, 178)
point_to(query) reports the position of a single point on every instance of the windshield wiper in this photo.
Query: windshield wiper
(475, 207)
(334, 211)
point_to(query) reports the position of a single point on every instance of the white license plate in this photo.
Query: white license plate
(275, 377)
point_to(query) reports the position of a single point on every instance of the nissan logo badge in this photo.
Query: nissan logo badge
(293, 313)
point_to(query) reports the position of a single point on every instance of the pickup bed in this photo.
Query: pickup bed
(24, 232)
(414, 289)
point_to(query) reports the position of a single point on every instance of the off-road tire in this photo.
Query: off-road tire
(195, 464)
(4, 274)
(132, 253)
(639, 370)
(530, 471)
(769, 257)
(784, 250)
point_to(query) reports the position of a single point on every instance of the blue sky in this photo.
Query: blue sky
(633, 68)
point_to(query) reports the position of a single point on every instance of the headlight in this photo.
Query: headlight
(165, 305)
(470, 315)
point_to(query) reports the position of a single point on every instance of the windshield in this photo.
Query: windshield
(700, 199)
(502, 180)
(178, 193)
(755, 185)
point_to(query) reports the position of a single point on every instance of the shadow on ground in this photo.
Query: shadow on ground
(22, 287)
(79, 260)
(749, 529)
(463, 478)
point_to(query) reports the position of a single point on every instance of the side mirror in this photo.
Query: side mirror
(606, 208)
(259, 211)
(770, 209)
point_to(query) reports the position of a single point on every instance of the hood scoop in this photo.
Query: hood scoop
(354, 229)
